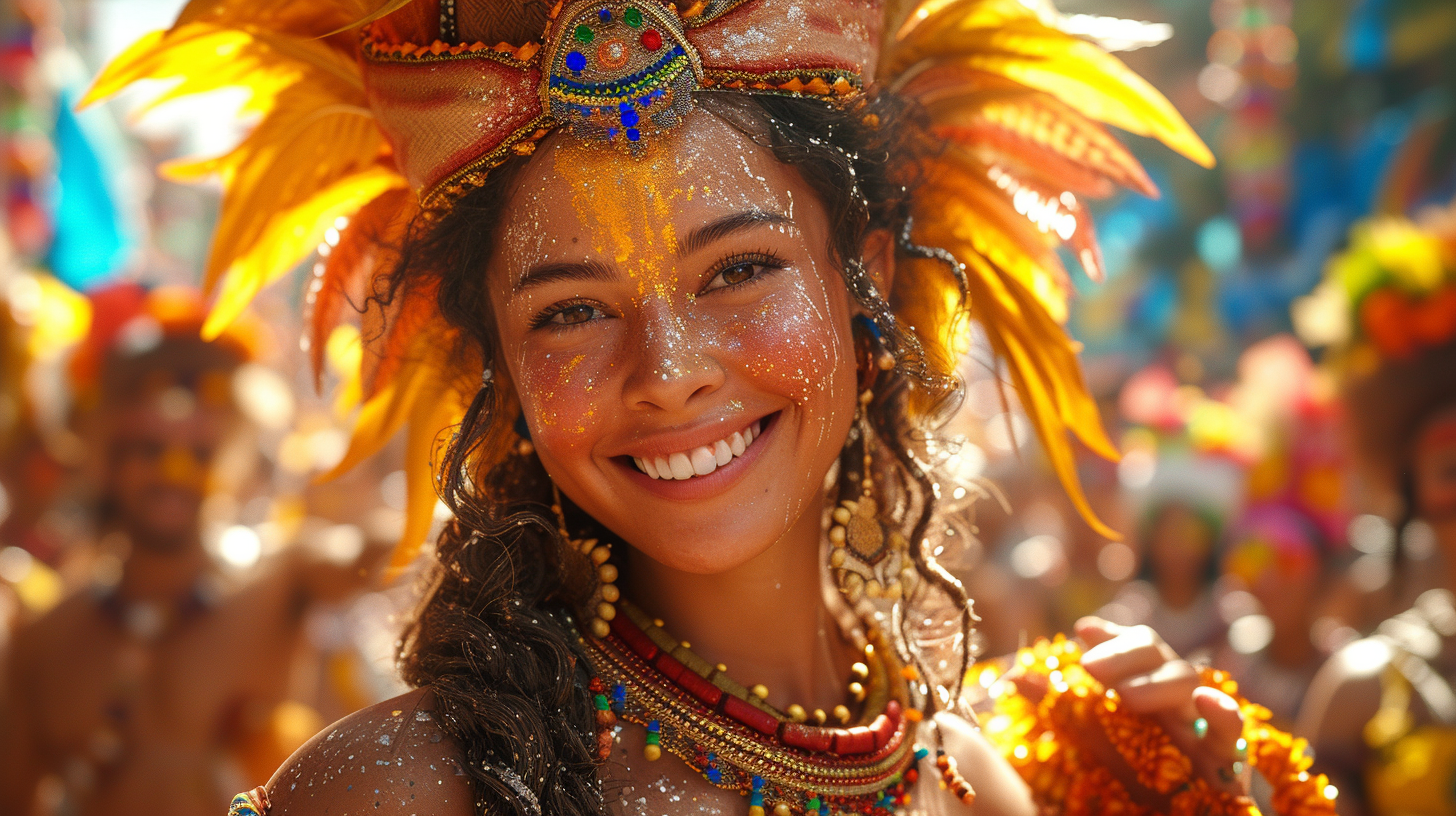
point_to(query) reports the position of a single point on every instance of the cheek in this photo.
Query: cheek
(795, 343)
(563, 394)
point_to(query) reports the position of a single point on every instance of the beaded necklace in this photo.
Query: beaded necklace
(737, 741)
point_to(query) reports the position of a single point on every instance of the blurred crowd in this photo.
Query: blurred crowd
(184, 596)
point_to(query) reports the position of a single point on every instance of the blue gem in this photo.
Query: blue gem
(623, 107)
(629, 118)
(757, 783)
(714, 775)
(645, 101)
(605, 15)
(633, 134)
(576, 61)
(611, 133)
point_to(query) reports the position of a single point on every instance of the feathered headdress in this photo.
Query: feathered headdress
(371, 110)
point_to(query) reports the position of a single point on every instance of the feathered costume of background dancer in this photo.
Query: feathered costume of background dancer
(667, 299)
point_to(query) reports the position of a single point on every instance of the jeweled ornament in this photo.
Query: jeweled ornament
(637, 80)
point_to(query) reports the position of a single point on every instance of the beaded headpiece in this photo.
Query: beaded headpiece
(371, 111)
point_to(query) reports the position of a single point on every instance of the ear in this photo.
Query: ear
(879, 260)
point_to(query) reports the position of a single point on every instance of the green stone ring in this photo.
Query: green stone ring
(1200, 728)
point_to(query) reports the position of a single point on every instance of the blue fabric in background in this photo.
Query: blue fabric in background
(91, 244)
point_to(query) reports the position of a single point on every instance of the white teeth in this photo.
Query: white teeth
(682, 467)
(704, 462)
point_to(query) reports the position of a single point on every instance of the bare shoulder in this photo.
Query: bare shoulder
(1350, 677)
(390, 759)
(999, 790)
(1343, 696)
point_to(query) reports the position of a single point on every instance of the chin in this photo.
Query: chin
(698, 554)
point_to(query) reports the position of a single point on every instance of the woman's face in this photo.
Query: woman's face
(678, 338)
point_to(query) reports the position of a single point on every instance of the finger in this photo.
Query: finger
(1134, 651)
(1094, 630)
(1213, 756)
(1225, 723)
(1168, 689)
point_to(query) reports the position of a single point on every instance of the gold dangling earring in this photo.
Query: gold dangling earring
(866, 560)
(600, 606)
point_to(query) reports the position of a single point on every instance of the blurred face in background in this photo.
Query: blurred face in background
(162, 444)
(1433, 466)
(1180, 544)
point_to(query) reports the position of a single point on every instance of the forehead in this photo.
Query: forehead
(583, 199)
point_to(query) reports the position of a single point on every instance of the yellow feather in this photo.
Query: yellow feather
(308, 18)
(429, 420)
(1096, 84)
(272, 243)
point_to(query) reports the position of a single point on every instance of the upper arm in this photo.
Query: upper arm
(1342, 698)
(390, 759)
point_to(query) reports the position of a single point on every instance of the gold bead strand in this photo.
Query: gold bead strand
(602, 605)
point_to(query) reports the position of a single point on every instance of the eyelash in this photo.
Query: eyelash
(768, 260)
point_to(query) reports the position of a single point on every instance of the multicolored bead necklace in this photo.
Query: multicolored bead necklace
(738, 741)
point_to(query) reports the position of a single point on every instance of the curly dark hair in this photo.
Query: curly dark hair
(493, 638)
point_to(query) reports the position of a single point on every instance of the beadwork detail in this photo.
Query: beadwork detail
(253, 803)
(738, 741)
(626, 71)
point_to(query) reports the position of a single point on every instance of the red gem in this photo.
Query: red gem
(651, 40)
(806, 737)
(634, 638)
(857, 740)
(749, 716)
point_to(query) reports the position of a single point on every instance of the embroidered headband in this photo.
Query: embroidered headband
(372, 111)
(611, 70)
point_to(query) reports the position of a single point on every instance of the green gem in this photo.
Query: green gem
(601, 702)
(1200, 728)
(814, 804)
(633, 17)
(653, 738)
(584, 33)
(1241, 749)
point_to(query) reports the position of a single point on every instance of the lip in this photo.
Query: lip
(702, 487)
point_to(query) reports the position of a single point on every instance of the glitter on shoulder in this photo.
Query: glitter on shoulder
(390, 759)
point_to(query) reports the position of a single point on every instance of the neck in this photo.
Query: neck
(153, 575)
(765, 620)
(1291, 646)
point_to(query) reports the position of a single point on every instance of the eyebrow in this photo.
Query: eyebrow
(593, 270)
(589, 270)
(727, 225)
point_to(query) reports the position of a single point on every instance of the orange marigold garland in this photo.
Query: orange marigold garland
(1082, 753)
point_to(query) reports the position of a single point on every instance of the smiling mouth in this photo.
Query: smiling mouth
(704, 459)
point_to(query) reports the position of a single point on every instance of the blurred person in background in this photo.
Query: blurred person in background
(1278, 562)
(1175, 592)
(164, 676)
(1381, 713)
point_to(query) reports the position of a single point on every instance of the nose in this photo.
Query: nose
(673, 364)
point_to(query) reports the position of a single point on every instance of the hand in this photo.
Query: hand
(1152, 679)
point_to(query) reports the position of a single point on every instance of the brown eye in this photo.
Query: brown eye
(575, 315)
(738, 273)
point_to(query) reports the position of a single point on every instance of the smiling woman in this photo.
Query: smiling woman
(689, 286)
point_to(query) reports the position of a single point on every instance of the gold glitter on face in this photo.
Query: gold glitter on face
(655, 304)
